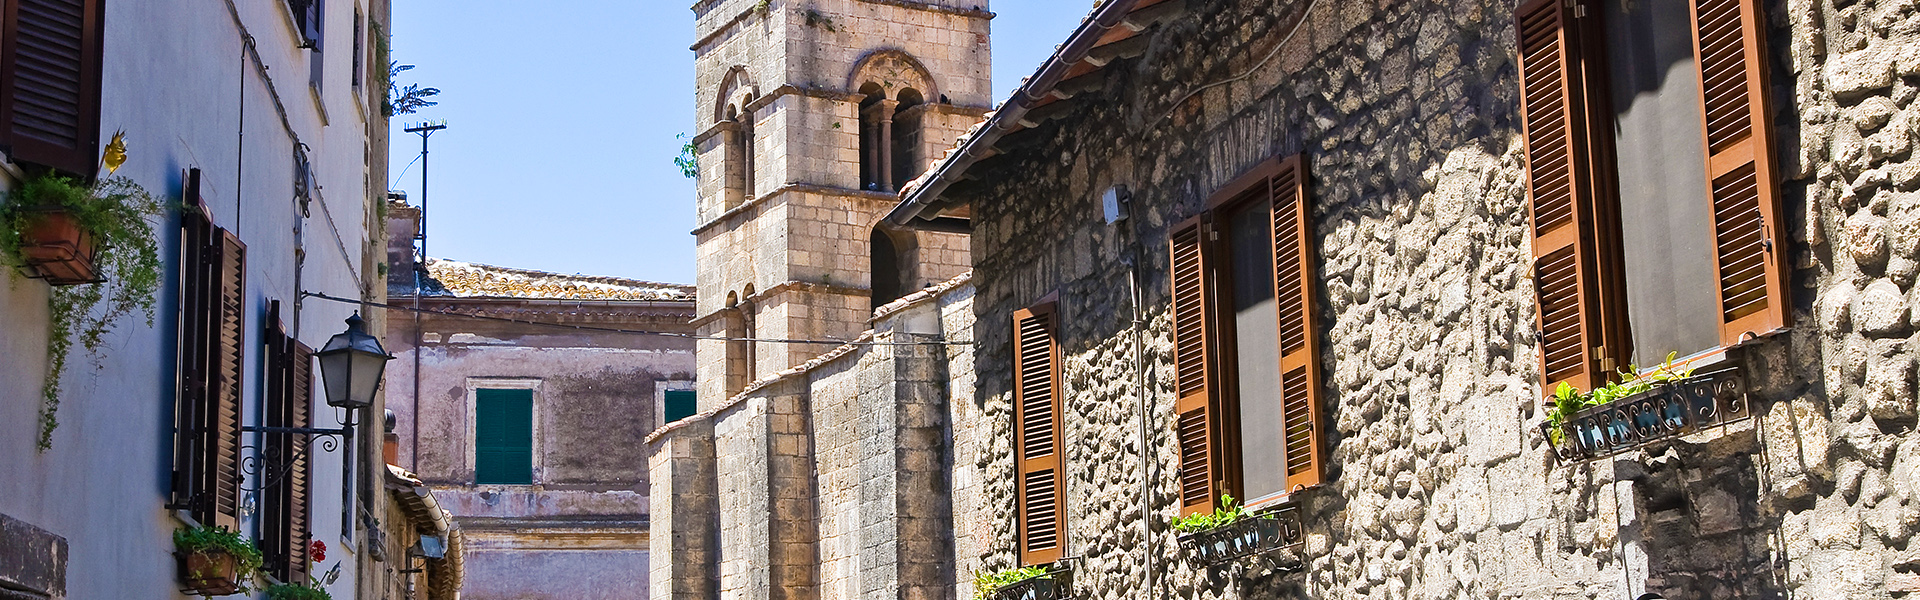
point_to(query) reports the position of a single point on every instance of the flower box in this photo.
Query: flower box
(210, 572)
(1667, 411)
(1057, 584)
(57, 249)
(1253, 535)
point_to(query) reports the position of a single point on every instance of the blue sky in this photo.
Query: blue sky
(560, 145)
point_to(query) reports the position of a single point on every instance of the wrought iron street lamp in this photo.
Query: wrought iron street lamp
(352, 363)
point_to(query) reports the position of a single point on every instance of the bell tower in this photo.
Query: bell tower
(813, 114)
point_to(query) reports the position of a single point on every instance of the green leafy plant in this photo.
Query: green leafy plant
(1568, 400)
(817, 19)
(408, 99)
(246, 556)
(314, 588)
(1227, 513)
(986, 583)
(689, 158)
(119, 214)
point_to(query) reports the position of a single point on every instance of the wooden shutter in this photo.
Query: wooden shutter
(50, 83)
(1730, 42)
(227, 258)
(193, 322)
(1300, 390)
(212, 315)
(1037, 433)
(503, 437)
(300, 473)
(286, 494)
(1559, 189)
(1193, 372)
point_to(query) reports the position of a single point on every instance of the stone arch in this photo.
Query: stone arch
(893, 70)
(891, 265)
(737, 89)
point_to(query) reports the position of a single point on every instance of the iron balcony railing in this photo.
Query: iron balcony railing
(1667, 411)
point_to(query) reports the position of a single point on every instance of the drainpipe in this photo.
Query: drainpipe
(1115, 204)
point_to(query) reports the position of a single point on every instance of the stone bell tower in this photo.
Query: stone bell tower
(813, 114)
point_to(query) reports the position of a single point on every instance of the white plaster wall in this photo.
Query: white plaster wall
(174, 78)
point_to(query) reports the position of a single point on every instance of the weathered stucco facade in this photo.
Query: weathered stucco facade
(235, 91)
(577, 527)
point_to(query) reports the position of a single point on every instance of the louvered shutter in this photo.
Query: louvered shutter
(193, 403)
(300, 472)
(1193, 372)
(1559, 188)
(50, 83)
(284, 510)
(227, 257)
(1730, 42)
(1037, 431)
(1293, 259)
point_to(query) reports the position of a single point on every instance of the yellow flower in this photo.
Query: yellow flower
(116, 153)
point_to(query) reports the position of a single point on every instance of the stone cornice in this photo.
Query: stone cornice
(804, 286)
(908, 4)
(806, 188)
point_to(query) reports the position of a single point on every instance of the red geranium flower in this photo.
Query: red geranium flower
(319, 551)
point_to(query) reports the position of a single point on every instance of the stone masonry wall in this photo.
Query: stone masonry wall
(1440, 484)
(837, 473)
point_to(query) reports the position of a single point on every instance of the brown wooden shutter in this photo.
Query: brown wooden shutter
(1730, 42)
(50, 83)
(1560, 191)
(192, 402)
(1037, 433)
(285, 491)
(228, 310)
(1193, 371)
(1300, 389)
(300, 472)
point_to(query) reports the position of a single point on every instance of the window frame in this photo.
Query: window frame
(472, 454)
(1604, 321)
(1225, 452)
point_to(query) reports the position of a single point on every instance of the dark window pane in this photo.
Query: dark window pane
(1664, 215)
(1257, 352)
(680, 405)
(503, 437)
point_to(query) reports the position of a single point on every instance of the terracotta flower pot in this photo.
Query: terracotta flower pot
(58, 250)
(209, 572)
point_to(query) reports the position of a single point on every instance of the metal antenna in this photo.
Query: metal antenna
(425, 129)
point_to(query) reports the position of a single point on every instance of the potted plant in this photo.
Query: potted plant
(314, 588)
(215, 561)
(1230, 532)
(1025, 583)
(55, 229)
(1639, 408)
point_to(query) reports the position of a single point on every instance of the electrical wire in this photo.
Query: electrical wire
(1304, 15)
(824, 342)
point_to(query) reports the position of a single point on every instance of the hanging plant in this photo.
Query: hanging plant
(113, 222)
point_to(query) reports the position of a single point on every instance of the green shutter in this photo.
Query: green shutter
(503, 437)
(680, 405)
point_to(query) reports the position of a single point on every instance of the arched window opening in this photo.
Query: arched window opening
(891, 265)
(734, 328)
(906, 139)
(873, 138)
(733, 157)
(747, 140)
(750, 329)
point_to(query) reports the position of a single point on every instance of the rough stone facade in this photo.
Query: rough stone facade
(785, 226)
(580, 529)
(1441, 484)
(833, 480)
